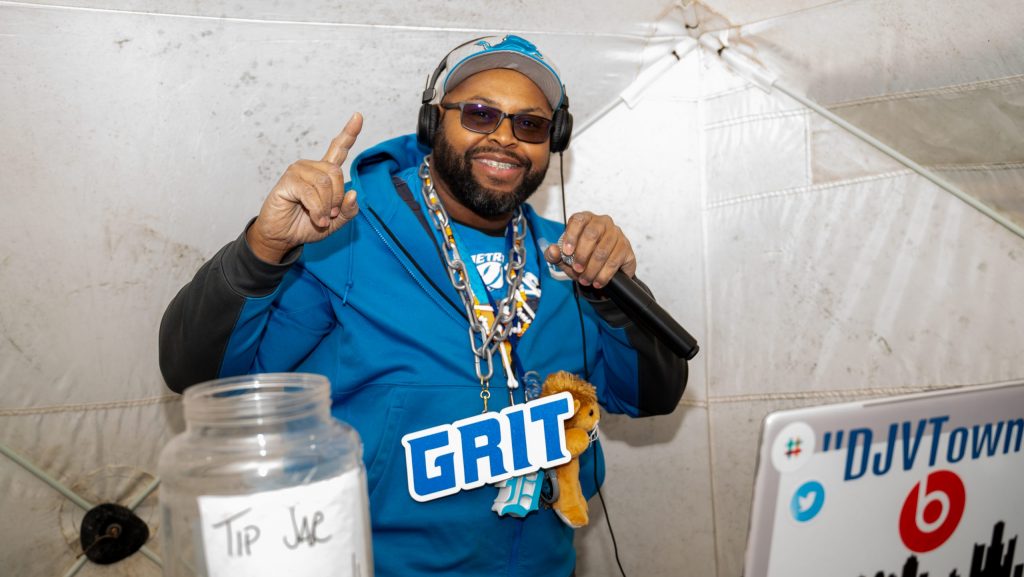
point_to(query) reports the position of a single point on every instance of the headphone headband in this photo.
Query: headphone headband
(430, 90)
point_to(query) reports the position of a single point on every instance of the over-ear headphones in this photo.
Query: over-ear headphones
(430, 114)
(561, 126)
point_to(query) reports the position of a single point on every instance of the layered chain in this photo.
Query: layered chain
(487, 332)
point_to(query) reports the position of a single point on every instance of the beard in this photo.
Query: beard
(457, 172)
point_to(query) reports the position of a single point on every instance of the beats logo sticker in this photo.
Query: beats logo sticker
(932, 511)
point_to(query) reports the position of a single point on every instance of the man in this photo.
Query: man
(365, 293)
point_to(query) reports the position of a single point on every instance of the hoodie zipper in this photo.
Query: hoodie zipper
(513, 557)
(517, 536)
(439, 299)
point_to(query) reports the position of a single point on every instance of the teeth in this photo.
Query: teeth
(496, 164)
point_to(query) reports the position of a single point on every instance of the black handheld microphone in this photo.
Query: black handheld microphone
(641, 308)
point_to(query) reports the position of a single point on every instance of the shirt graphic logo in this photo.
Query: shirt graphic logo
(491, 266)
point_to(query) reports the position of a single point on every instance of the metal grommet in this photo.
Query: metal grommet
(111, 533)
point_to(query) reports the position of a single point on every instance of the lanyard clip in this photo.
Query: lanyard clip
(485, 393)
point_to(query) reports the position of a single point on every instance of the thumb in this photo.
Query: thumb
(553, 254)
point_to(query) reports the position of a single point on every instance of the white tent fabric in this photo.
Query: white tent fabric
(139, 136)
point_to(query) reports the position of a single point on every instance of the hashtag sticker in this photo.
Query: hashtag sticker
(792, 447)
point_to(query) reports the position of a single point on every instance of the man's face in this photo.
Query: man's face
(491, 174)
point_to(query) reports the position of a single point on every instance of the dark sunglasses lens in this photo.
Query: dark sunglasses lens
(480, 118)
(529, 128)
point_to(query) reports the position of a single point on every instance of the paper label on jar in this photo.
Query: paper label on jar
(312, 530)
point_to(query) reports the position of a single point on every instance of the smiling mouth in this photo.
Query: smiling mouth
(504, 172)
(498, 164)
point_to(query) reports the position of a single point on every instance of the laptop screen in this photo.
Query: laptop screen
(920, 484)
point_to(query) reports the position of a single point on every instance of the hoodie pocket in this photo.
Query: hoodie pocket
(383, 447)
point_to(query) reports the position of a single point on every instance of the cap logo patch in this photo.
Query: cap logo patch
(514, 43)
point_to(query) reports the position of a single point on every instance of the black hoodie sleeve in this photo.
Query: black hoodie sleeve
(661, 375)
(198, 323)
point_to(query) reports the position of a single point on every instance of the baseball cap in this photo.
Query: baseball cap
(510, 51)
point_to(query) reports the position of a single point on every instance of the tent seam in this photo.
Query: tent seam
(760, 116)
(956, 89)
(820, 395)
(810, 188)
(844, 394)
(86, 407)
(808, 148)
(323, 24)
(708, 341)
(766, 19)
(979, 167)
(727, 92)
(952, 89)
(693, 403)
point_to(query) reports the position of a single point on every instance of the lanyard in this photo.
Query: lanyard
(525, 309)
(477, 287)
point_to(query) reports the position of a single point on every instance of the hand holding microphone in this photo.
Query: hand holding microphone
(595, 252)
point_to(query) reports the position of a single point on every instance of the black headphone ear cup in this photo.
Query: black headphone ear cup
(427, 125)
(561, 129)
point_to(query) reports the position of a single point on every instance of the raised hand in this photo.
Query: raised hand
(308, 203)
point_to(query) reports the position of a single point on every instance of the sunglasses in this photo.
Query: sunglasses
(486, 119)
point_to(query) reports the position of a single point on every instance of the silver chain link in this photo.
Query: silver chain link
(490, 337)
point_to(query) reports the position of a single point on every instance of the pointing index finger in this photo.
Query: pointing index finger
(337, 152)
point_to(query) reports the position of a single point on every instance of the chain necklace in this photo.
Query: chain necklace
(488, 330)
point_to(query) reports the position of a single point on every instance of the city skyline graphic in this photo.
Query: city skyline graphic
(994, 560)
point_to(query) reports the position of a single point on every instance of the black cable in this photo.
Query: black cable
(607, 519)
(586, 373)
(575, 287)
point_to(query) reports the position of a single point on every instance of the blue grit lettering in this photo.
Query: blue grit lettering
(487, 448)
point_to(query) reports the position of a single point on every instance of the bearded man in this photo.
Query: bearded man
(379, 292)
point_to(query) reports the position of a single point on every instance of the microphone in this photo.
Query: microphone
(641, 308)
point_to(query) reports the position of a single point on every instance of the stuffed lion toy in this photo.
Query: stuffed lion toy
(571, 506)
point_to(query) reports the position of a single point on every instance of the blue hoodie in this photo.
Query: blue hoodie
(371, 307)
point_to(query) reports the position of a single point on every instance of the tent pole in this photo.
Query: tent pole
(633, 93)
(766, 81)
(899, 157)
(42, 475)
(145, 493)
(77, 566)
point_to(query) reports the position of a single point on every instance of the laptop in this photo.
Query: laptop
(923, 484)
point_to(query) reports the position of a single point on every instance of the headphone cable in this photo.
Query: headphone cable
(586, 373)
(607, 518)
(575, 287)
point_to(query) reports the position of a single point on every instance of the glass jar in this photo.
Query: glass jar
(264, 481)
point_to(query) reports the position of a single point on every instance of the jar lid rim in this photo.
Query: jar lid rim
(256, 397)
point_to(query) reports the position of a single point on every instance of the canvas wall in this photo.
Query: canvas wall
(139, 136)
